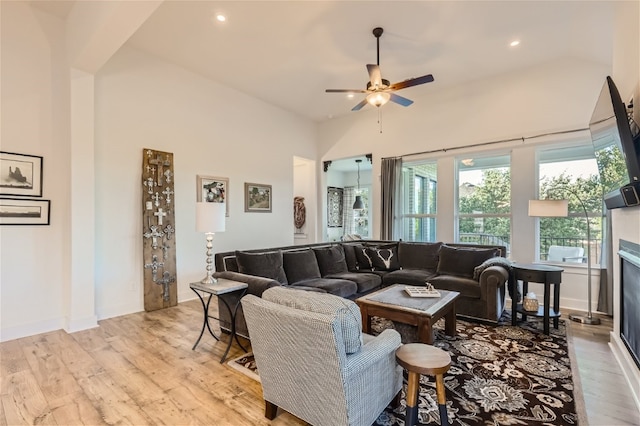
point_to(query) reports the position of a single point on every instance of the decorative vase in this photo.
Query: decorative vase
(530, 302)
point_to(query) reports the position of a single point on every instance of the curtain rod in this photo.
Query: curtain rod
(522, 138)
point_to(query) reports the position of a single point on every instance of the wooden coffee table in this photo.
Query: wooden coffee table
(395, 304)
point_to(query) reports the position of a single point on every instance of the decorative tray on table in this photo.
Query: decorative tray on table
(419, 291)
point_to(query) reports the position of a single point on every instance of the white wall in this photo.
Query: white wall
(142, 102)
(35, 269)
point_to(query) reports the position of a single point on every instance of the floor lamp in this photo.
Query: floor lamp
(560, 208)
(210, 218)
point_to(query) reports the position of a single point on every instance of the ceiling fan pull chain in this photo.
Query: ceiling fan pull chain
(380, 119)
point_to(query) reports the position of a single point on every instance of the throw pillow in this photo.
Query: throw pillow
(362, 258)
(268, 265)
(494, 261)
(300, 265)
(383, 259)
(461, 261)
(345, 310)
(331, 260)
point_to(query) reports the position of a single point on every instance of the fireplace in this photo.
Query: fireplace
(630, 298)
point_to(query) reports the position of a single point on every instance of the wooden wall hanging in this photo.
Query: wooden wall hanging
(158, 230)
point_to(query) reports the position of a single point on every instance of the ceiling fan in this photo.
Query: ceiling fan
(380, 91)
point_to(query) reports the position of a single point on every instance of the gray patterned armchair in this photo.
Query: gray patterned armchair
(315, 362)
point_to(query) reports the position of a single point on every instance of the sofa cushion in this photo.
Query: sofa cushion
(331, 260)
(336, 286)
(494, 261)
(267, 264)
(365, 281)
(383, 259)
(345, 310)
(467, 287)
(408, 276)
(418, 255)
(461, 261)
(300, 265)
(350, 257)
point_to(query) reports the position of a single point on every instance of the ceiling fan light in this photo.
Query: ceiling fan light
(378, 99)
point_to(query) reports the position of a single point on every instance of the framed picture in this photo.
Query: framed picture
(20, 174)
(213, 190)
(23, 211)
(334, 207)
(257, 197)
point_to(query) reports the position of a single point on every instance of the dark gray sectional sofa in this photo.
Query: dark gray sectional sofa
(351, 269)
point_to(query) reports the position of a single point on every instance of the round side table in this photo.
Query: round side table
(417, 359)
(544, 274)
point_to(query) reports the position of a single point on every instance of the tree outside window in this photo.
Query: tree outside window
(484, 200)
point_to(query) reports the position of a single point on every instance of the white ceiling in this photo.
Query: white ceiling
(288, 52)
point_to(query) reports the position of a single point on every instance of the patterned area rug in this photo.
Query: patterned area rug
(500, 375)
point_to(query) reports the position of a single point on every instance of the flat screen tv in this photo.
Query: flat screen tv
(617, 149)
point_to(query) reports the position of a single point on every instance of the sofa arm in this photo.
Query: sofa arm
(493, 278)
(257, 285)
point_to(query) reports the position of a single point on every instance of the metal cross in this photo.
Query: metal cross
(158, 161)
(154, 234)
(168, 192)
(165, 281)
(167, 175)
(154, 265)
(156, 200)
(160, 213)
(149, 183)
(165, 251)
(169, 231)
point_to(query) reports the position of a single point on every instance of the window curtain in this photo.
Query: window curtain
(348, 219)
(390, 197)
(605, 296)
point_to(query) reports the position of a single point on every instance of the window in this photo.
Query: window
(484, 200)
(570, 173)
(361, 217)
(419, 188)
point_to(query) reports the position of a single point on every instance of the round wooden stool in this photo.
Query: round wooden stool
(417, 359)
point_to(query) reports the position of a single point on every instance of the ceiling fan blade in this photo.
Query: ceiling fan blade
(400, 100)
(345, 91)
(360, 105)
(374, 75)
(412, 82)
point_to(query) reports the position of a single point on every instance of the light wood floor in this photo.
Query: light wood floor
(139, 369)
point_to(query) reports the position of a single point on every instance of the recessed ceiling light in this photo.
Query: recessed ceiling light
(220, 17)
(514, 43)
(350, 95)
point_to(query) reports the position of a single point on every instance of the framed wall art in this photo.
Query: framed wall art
(20, 174)
(334, 207)
(257, 197)
(24, 211)
(213, 190)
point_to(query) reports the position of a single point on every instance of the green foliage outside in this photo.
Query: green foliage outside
(493, 196)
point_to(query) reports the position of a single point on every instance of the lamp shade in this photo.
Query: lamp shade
(210, 217)
(548, 208)
(359, 204)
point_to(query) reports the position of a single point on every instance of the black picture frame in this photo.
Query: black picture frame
(20, 174)
(24, 211)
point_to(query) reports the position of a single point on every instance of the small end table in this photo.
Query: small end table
(544, 274)
(222, 286)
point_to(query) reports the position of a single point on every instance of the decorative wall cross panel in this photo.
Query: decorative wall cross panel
(158, 229)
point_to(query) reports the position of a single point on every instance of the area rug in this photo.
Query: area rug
(499, 375)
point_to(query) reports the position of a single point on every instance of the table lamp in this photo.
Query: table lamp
(210, 218)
